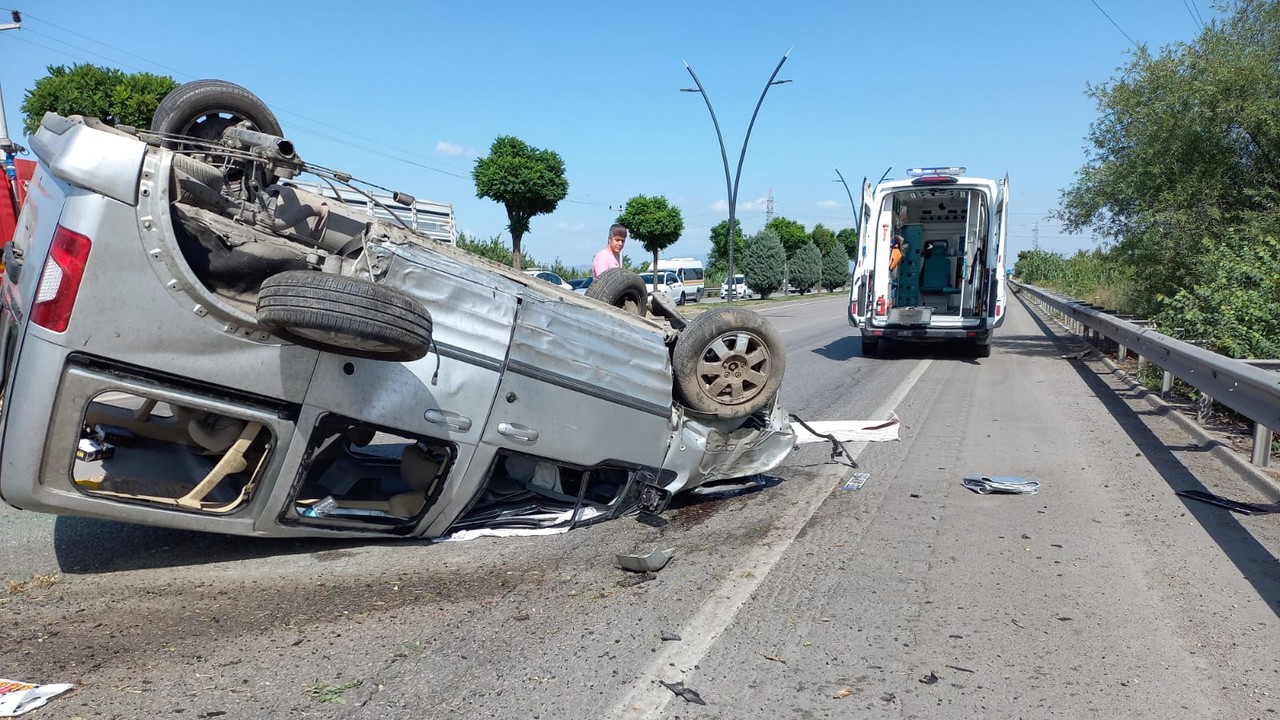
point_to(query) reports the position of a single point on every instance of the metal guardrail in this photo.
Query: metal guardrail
(1246, 387)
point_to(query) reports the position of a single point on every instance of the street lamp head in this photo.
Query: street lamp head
(779, 82)
(690, 90)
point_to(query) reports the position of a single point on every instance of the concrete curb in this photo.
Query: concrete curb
(1245, 470)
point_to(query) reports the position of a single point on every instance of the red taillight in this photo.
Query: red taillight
(60, 280)
(880, 305)
(999, 307)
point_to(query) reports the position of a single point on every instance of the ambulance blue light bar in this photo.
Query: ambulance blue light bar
(934, 175)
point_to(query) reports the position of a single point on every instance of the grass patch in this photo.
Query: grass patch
(330, 694)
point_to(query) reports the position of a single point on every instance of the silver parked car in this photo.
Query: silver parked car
(190, 341)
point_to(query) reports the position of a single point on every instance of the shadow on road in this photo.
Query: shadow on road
(85, 546)
(845, 348)
(1254, 561)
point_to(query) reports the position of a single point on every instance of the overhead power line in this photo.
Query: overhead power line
(1113, 22)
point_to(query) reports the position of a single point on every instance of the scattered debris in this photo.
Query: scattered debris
(521, 617)
(843, 692)
(330, 694)
(689, 694)
(670, 637)
(774, 658)
(984, 485)
(847, 430)
(1235, 506)
(929, 679)
(957, 667)
(17, 697)
(1082, 355)
(856, 481)
(651, 563)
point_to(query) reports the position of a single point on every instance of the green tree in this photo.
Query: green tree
(848, 237)
(835, 268)
(806, 268)
(763, 261)
(823, 237)
(654, 222)
(493, 249)
(1186, 147)
(718, 259)
(528, 181)
(113, 96)
(791, 233)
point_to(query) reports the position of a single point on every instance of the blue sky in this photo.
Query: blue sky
(407, 95)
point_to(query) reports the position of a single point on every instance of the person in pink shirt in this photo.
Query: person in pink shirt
(610, 256)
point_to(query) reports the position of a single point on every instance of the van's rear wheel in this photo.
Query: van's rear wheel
(728, 363)
(204, 108)
(344, 315)
(870, 346)
(981, 349)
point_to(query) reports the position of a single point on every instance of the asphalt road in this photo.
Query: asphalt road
(1105, 595)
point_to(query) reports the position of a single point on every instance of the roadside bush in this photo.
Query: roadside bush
(1234, 308)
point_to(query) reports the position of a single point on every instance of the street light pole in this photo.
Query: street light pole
(732, 186)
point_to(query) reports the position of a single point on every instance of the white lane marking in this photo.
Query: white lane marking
(646, 698)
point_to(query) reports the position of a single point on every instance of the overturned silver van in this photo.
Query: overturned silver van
(191, 341)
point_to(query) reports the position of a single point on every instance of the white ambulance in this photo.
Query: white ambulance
(930, 262)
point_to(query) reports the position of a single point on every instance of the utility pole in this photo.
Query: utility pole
(7, 146)
(768, 208)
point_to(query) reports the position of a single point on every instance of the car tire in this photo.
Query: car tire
(982, 350)
(870, 346)
(682, 300)
(344, 315)
(622, 289)
(204, 108)
(728, 363)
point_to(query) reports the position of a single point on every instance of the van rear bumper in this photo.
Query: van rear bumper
(925, 334)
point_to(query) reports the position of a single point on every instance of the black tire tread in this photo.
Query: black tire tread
(356, 308)
(614, 287)
(190, 100)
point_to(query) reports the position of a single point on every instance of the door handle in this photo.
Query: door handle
(461, 423)
(517, 432)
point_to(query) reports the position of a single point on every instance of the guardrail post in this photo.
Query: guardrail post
(1261, 445)
(1122, 353)
(1166, 383)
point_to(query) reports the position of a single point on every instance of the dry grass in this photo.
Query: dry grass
(38, 581)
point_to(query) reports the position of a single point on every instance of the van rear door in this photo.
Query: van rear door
(1001, 220)
(860, 288)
